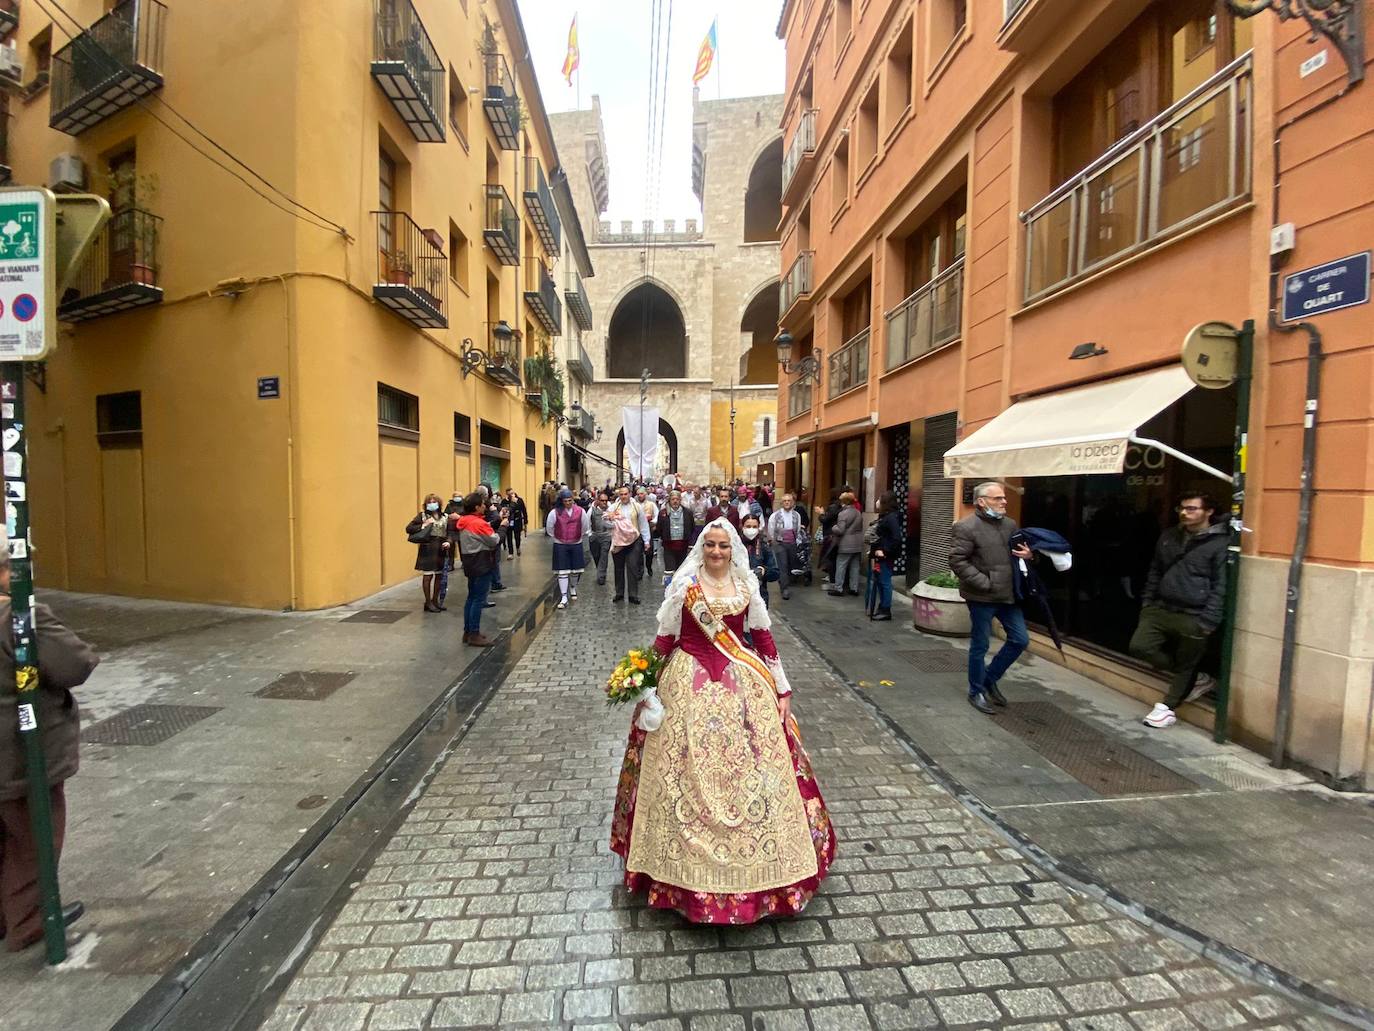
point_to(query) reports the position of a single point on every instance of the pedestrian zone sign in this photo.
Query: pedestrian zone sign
(27, 315)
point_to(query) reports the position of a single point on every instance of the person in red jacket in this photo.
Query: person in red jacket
(480, 543)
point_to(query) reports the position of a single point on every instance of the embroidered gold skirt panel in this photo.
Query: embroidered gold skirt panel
(718, 807)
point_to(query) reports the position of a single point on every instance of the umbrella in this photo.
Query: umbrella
(871, 589)
(1029, 587)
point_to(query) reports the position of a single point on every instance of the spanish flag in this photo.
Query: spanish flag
(574, 57)
(706, 56)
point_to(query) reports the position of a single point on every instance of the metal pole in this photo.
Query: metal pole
(24, 634)
(643, 396)
(732, 428)
(1245, 345)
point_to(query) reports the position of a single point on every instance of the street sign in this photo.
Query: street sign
(28, 308)
(1338, 284)
(269, 387)
(1209, 354)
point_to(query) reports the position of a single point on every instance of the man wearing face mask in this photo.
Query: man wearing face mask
(601, 535)
(980, 556)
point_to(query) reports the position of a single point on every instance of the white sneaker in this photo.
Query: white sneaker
(573, 596)
(1161, 716)
(1202, 683)
(562, 604)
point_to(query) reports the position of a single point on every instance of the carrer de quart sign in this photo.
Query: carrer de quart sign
(1338, 284)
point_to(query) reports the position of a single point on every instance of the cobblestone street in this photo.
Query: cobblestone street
(498, 903)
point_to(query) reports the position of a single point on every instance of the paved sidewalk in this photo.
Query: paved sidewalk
(1266, 861)
(164, 838)
(498, 902)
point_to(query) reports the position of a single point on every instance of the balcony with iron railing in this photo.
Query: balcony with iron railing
(580, 421)
(1188, 164)
(500, 101)
(501, 230)
(796, 284)
(799, 398)
(120, 271)
(108, 67)
(575, 294)
(412, 271)
(579, 362)
(848, 366)
(928, 319)
(9, 16)
(540, 209)
(801, 155)
(408, 69)
(542, 299)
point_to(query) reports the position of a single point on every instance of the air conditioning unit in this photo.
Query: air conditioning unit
(67, 174)
(11, 64)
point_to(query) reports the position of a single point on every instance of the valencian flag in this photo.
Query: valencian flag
(706, 56)
(574, 57)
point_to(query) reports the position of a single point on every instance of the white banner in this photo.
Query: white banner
(641, 439)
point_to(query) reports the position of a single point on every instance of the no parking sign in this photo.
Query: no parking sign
(27, 305)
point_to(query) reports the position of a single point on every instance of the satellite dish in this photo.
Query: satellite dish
(1210, 354)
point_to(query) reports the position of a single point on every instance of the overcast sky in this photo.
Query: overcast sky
(614, 37)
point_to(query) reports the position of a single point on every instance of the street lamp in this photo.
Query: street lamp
(808, 367)
(496, 362)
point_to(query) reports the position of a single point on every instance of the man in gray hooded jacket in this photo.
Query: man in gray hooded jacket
(1182, 603)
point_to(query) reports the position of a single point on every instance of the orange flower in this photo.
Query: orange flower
(641, 664)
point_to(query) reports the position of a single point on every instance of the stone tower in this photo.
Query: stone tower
(695, 302)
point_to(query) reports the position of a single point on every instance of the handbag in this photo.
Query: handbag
(420, 536)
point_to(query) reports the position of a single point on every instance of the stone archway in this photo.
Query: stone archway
(763, 196)
(646, 331)
(759, 361)
(667, 436)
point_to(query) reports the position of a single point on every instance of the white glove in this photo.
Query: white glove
(651, 715)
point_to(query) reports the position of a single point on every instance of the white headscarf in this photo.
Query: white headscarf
(670, 612)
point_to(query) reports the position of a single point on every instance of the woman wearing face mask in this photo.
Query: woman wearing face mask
(718, 814)
(761, 558)
(429, 530)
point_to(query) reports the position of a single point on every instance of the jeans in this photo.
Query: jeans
(1173, 643)
(478, 589)
(601, 555)
(847, 563)
(1013, 622)
(512, 542)
(629, 569)
(884, 586)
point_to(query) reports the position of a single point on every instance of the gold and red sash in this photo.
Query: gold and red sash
(719, 634)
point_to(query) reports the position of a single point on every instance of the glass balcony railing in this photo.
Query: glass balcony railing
(121, 269)
(408, 69)
(928, 319)
(799, 398)
(1190, 162)
(412, 271)
(797, 283)
(803, 147)
(108, 67)
(848, 366)
(502, 227)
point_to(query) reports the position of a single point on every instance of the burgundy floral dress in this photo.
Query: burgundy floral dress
(718, 814)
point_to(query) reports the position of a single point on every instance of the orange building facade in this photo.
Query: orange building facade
(995, 203)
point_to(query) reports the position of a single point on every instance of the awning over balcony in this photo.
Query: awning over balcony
(779, 452)
(1081, 431)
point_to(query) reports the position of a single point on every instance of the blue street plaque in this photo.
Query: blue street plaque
(269, 387)
(1338, 284)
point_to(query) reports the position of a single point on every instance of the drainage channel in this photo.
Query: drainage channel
(234, 975)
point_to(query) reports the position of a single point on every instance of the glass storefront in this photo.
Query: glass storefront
(1113, 521)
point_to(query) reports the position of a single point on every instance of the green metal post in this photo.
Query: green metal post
(1245, 345)
(24, 638)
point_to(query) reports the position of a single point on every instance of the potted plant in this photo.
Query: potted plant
(398, 268)
(938, 608)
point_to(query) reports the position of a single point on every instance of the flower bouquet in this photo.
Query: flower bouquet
(635, 679)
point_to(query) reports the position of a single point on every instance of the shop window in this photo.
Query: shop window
(397, 410)
(899, 76)
(866, 129)
(119, 419)
(839, 176)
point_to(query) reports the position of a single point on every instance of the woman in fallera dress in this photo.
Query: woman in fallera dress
(718, 814)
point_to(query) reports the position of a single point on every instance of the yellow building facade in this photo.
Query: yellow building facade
(265, 365)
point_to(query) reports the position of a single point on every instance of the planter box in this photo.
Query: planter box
(939, 610)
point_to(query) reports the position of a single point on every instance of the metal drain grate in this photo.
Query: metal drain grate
(942, 660)
(305, 685)
(1235, 773)
(1088, 755)
(146, 724)
(376, 616)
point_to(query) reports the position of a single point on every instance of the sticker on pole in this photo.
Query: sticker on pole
(27, 720)
(27, 321)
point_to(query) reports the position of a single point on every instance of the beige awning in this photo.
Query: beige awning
(779, 452)
(1073, 432)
